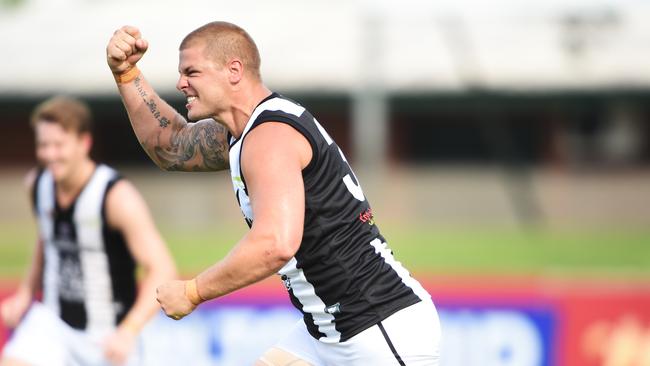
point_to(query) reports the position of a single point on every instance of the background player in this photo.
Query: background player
(310, 221)
(94, 230)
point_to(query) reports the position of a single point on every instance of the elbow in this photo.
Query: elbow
(169, 267)
(161, 166)
(163, 269)
(161, 162)
(283, 250)
(285, 253)
(275, 244)
(170, 272)
(158, 155)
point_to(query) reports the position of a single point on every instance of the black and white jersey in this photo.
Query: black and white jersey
(88, 273)
(343, 278)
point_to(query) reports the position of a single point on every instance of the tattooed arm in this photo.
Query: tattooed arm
(169, 140)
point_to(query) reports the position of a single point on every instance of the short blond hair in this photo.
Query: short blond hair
(225, 41)
(70, 113)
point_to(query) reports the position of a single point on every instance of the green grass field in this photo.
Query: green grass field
(571, 253)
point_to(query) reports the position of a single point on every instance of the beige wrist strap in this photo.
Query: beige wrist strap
(127, 76)
(192, 292)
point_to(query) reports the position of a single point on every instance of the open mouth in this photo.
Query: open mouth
(189, 100)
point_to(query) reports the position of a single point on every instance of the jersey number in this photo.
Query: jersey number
(353, 187)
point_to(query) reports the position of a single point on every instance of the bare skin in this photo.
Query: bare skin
(169, 140)
(66, 155)
(226, 94)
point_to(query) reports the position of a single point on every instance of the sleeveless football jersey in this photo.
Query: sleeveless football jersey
(343, 278)
(88, 273)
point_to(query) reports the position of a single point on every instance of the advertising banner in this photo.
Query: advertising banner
(487, 322)
(608, 326)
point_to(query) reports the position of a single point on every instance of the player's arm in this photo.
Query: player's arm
(169, 140)
(273, 157)
(127, 212)
(14, 307)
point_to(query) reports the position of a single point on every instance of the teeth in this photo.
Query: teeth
(190, 99)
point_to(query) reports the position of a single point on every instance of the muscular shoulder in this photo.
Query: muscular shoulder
(277, 139)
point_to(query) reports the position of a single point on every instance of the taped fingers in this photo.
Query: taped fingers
(279, 357)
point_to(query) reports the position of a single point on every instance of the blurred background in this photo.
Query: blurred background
(504, 146)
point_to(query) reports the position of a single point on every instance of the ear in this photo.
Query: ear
(235, 71)
(87, 141)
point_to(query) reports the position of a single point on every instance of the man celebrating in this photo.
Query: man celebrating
(94, 229)
(301, 200)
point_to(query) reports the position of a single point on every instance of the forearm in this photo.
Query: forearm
(145, 305)
(33, 279)
(151, 117)
(251, 260)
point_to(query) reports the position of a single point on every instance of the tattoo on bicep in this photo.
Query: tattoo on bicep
(199, 147)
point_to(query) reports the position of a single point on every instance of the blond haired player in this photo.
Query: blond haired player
(309, 219)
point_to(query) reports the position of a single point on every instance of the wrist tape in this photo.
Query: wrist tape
(127, 76)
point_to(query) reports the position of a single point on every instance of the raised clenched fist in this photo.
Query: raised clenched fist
(125, 49)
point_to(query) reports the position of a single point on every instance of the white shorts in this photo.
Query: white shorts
(409, 337)
(43, 339)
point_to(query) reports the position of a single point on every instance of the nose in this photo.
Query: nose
(46, 153)
(182, 83)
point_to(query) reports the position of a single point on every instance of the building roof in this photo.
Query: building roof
(342, 45)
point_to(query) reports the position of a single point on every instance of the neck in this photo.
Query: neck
(240, 112)
(78, 179)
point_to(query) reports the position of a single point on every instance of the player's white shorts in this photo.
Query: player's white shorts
(43, 339)
(409, 337)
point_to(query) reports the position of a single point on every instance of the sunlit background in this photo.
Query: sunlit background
(504, 146)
